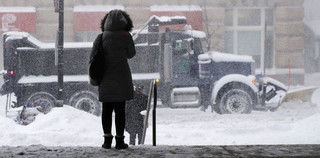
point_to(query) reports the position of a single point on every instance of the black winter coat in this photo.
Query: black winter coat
(118, 47)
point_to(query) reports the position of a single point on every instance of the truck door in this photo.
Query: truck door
(183, 62)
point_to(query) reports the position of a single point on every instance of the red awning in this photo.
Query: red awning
(88, 18)
(18, 19)
(192, 13)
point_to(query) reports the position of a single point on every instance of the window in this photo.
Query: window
(249, 17)
(180, 45)
(245, 34)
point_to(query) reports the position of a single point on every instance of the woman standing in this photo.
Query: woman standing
(116, 86)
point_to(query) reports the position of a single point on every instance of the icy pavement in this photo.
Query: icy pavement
(165, 151)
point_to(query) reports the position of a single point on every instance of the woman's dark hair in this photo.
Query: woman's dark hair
(128, 27)
(129, 24)
(103, 20)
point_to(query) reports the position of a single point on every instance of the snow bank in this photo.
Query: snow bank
(294, 122)
(65, 126)
(280, 127)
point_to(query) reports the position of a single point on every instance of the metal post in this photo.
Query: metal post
(8, 103)
(60, 52)
(146, 117)
(154, 113)
(263, 99)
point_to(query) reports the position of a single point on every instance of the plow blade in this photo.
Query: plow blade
(304, 94)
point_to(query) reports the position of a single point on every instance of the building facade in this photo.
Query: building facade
(272, 31)
(312, 36)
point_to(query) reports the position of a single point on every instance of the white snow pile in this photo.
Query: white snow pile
(293, 123)
(65, 126)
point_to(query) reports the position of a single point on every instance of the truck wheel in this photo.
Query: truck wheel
(41, 99)
(235, 101)
(86, 101)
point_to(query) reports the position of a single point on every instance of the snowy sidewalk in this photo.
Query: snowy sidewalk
(165, 151)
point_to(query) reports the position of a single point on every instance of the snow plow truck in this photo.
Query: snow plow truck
(188, 77)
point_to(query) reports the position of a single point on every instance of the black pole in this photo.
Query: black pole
(263, 99)
(60, 52)
(265, 49)
(154, 114)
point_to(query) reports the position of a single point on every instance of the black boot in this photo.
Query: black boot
(132, 139)
(107, 141)
(120, 143)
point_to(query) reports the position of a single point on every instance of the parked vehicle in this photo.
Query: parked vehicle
(32, 74)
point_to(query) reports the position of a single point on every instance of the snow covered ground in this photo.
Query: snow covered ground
(294, 122)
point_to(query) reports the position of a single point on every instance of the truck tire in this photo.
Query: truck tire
(43, 99)
(236, 101)
(86, 101)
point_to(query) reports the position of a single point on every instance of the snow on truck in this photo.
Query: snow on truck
(188, 77)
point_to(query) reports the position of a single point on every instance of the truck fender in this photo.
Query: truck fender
(247, 80)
